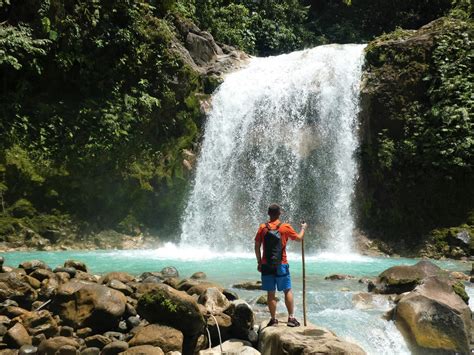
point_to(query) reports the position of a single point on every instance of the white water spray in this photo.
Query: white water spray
(284, 129)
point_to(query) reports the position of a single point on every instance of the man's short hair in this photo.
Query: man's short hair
(274, 209)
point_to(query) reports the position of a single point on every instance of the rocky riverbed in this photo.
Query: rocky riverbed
(68, 310)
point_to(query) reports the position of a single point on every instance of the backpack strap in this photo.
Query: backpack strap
(268, 226)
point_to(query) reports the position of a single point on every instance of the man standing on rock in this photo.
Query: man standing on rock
(272, 262)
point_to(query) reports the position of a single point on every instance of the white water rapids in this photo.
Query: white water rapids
(284, 129)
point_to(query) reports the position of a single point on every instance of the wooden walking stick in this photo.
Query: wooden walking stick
(304, 282)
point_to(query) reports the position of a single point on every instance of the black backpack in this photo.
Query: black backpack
(273, 250)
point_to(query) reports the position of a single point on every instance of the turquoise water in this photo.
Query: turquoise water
(330, 303)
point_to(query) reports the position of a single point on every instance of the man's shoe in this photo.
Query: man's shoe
(273, 322)
(292, 322)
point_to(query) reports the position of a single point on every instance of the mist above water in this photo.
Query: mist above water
(284, 129)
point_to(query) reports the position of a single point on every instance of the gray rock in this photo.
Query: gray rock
(97, 341)
(3, 330)
(69, 270)
(78, 265)
(152, 279)
(201, 49)
(120, 286)
(463, 238)
(66, 331)
(169, 271)
(403, 278)
(32, 265)
(199, 276)
(122, 326)
(116, 275)
(148, 274)
(114, 336)
(133, 322)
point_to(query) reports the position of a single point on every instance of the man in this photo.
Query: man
(273, 263)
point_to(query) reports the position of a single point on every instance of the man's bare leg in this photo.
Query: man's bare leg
(289, 302)
(272, 303)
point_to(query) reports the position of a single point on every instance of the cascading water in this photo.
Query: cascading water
(281, 130)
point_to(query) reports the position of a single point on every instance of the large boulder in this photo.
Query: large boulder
(403, 278)
(435, 316)
(214, 300)
(282, 340)
(81, 304)
(119, 276)
(13, 286)
(166, 338)
(167, 306)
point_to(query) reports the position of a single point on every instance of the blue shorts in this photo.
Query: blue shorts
(281, 280)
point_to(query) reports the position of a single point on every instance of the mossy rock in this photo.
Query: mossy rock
(460, 290)
(22, 208)
(167, 306)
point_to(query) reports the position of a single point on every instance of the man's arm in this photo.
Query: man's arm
(301, 233)
(258, 255)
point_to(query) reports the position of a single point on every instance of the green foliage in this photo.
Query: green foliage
(95, 108)
(18, 48)
(419, 162)
(258, 27)
(158, 298)
(22, 208)
(359, 21)
(443, 134)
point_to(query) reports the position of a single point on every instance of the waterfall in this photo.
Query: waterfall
(284, 130)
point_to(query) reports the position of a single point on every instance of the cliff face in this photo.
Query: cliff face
(417, 155)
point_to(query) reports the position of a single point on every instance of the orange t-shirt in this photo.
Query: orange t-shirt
(286, 232)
